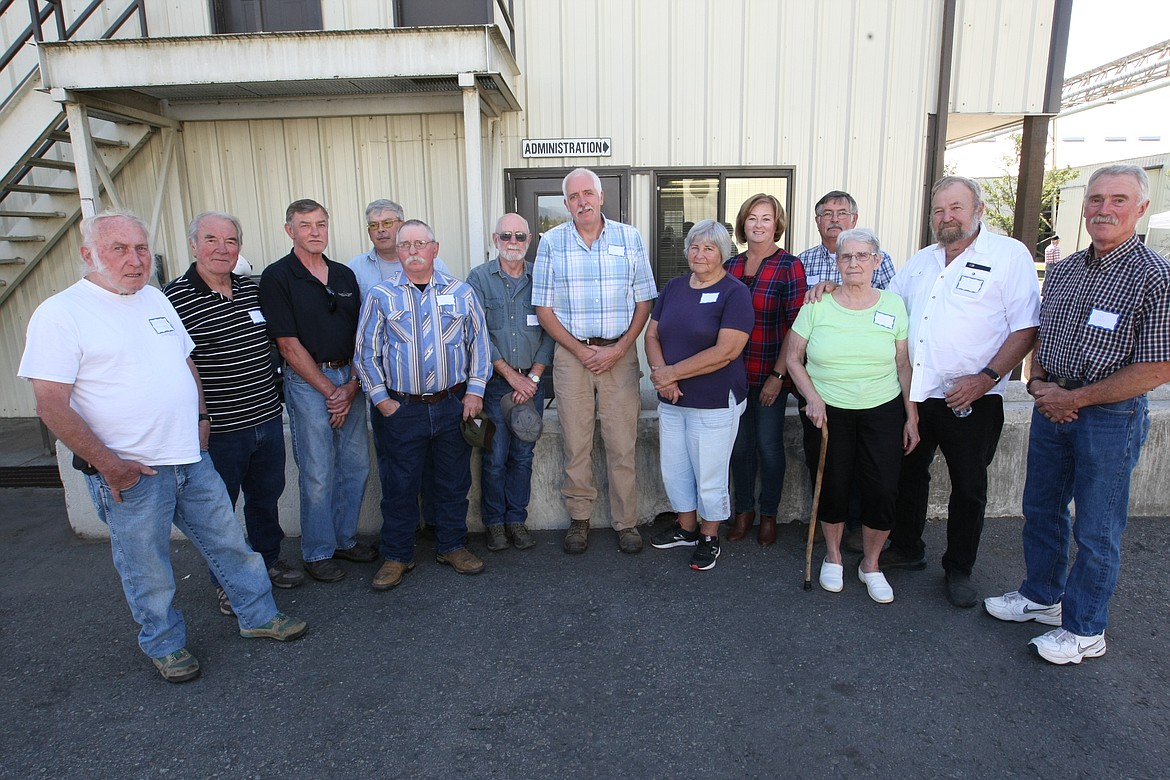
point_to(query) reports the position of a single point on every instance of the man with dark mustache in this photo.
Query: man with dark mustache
(974, 304)
(1104, 343)
(593, 289)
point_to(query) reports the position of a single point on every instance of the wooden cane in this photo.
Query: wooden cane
(816, 505)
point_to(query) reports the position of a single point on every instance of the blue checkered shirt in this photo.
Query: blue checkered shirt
(820, 266)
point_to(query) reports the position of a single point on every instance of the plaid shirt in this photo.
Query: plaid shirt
(777, 294)
(592, 289)
(1100, 314)
(820, 266)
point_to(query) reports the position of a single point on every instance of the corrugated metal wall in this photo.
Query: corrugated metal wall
(1001, 57)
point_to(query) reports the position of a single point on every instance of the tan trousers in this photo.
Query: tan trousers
(618, 403)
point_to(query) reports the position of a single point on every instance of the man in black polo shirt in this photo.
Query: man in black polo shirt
(311, 304)
(221, 312)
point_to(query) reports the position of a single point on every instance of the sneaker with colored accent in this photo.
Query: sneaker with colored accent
(281, 575)
(223, 602)
(1017, 608)
(282, 628)
(180, 666)
(705, 554)
(1064, 647)
(674, 535)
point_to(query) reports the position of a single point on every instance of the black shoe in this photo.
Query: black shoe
(893, 558)
(324, 571)
(497, 540)
(960, 591)
(359, 553)
(705, 554)
(674, 536)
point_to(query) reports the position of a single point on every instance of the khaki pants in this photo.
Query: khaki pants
(618, 403)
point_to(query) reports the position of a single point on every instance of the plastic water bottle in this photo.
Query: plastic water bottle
(948, 385)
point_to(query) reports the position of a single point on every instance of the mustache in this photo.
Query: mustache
(1104, 219)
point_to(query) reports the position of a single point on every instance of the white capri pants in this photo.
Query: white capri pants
(694, 448)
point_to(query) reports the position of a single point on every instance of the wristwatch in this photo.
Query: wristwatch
(534, 377)
(778, 375)
(204, 416)
(991, 372)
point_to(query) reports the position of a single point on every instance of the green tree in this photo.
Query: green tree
(999, 194)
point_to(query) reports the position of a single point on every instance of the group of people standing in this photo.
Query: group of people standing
(170, 402)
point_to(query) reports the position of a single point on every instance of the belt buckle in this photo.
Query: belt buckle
(429, 398)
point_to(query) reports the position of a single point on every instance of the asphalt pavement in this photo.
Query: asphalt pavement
(594, 666)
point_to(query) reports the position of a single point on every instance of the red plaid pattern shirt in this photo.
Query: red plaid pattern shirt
(777, 295)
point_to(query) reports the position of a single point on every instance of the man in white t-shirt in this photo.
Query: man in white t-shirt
(109, 362)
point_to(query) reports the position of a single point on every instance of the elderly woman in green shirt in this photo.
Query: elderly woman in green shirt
(847, 356)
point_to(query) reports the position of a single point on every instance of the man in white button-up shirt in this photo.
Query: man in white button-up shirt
(974, 305)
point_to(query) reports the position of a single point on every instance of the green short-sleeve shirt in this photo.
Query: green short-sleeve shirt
(850, 354)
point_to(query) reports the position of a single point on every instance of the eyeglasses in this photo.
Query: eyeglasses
(508, 235)
(386, 224)
(332, 299)
(419, 245)
(842, 214)
(859, 258)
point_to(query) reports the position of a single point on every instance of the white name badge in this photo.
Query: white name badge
(812, 279)
(257, 316)
(533, 321)
(883, 320)
(1105, 320)
(617, 250)
(969, 284)
(445, 300)
(709, 297)
(163, 325)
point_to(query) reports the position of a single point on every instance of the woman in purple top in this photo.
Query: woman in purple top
(694, 344)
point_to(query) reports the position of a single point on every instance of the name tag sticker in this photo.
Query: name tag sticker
(446, 300)
(163, 325)
(812, 279)
(257, 316)
(1106, 320)
(533, 321)
(883, 320)
(617, 250)
(709, 297)
(969, 284)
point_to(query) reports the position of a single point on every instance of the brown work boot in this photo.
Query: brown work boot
(577, 539)
(740, 526)
(390, 575)
(767, 533)
(461, 560)
(630, 541)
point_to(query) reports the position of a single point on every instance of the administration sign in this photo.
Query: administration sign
(567, 147)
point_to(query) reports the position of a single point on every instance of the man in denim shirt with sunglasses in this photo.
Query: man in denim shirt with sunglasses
(311, 304)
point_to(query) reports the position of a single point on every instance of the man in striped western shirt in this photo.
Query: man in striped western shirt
(1104, 343)
(221, 312)
(424, 359)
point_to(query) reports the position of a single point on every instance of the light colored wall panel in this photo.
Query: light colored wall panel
(1001, 56)
(356, 15)
(167, 18)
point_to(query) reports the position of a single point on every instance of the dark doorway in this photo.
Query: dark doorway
(535, 194)
(245, 16)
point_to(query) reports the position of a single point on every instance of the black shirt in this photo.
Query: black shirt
(323, 317)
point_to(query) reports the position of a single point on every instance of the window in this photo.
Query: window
(683, 198)
(245, 16)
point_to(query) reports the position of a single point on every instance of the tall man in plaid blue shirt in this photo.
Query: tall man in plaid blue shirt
(593, 289)
(424, 360)
(1104, 343)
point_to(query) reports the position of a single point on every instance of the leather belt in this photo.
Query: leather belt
(1067, 384)
(335, 363)
(429, 398)
(597, 341)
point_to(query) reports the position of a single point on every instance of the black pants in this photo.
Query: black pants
(864, 453)
(811, 439)
(968, 444)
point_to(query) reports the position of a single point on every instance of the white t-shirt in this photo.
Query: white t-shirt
(126, 357)
(962, 313)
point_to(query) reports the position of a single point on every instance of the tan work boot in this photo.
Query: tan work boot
(577, 539)
(461, 560)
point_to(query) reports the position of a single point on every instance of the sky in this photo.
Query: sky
(1103, 30)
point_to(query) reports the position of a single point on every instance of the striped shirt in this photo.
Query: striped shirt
(414, 342)
(1100, 314)
(232, 350)
(777, 295)
(592, 289)
(820, 266)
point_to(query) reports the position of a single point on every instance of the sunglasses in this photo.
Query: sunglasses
(386, 223)
(508, 235)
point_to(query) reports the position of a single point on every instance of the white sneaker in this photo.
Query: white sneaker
(875, 582)
(1065, 647)
(832, 576)
(1020, 609)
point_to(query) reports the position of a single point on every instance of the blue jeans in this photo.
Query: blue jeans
(694, 448)
(192, 497)
(333, 464)
(252, 459)
(418, 431)
(385, 455)
(1089, 461)
(506, 477)
(759, 449)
